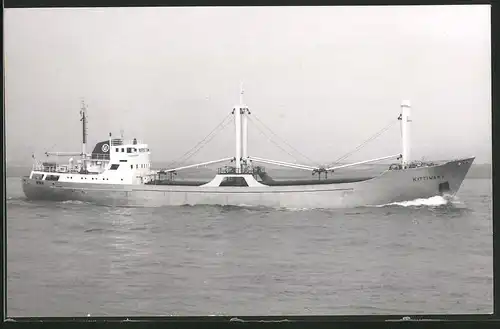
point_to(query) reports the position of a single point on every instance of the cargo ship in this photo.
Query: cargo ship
(118, 172)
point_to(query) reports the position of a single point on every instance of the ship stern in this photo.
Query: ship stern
(42, 190)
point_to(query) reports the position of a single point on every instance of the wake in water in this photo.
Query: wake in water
(20, 202)
(74, 202)
(435, 201)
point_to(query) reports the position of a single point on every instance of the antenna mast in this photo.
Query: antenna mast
(83, 113)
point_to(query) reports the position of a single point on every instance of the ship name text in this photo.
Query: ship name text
(421, 178)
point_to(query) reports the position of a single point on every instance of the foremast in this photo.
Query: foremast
(405, 133)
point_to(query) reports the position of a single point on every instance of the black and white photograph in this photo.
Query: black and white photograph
(220, 161)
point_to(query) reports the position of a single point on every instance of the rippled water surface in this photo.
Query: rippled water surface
(420, 256)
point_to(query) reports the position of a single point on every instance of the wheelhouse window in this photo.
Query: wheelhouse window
(129, 150)
(114, 166)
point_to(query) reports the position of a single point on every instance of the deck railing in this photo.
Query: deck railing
(246, 170)
(58, 168)
(102, 157)
(119, 142)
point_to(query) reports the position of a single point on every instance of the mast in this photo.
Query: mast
(244, 133)
(83, 113)
(241, 93)
(241, 132)
(237, 124)
(405, 133)
(110, 143)
(244, 127)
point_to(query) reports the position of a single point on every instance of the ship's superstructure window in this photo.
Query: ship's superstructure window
(123, 160)
(52, 177)
(117, 149)
(131, 166)
(114, 166)
(123, 150)
(38, 176)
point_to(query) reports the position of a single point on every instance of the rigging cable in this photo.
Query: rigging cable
(220, 126)
(285, 142)
(50, 148)
(208, 141)
(272, 141)
(202, 143)
(363, 144)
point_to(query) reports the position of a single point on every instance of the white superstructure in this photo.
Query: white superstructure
(113, 161)
(125, 162)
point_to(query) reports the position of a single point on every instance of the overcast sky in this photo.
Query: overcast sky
(322, 78)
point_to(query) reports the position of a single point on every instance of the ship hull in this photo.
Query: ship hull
(391, 186)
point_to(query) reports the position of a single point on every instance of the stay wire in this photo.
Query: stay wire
(208, 141)
(270, 140)
(285, 142)
(181, 159)
(363, 144)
